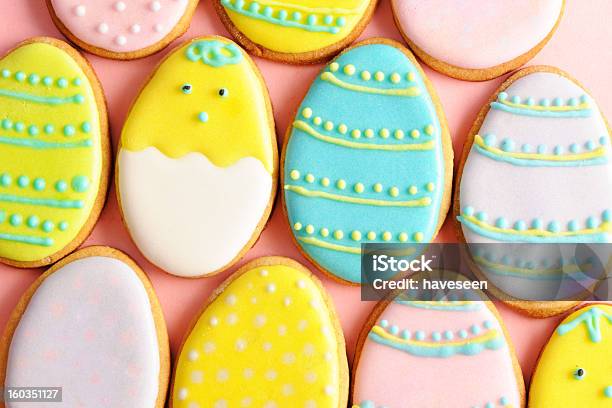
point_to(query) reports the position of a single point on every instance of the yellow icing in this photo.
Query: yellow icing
(408, 91)
(420, 202)
(267, 339)
(18, 158)
(554, 385)
(279, 38)
(238, 126)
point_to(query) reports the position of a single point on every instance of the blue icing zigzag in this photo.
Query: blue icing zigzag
(364, 160)
(591, 319)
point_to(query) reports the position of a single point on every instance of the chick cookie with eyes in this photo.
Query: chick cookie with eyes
(198, 162)
(574, 367)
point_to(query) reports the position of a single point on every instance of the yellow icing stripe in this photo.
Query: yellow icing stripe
(327, 245)
(565, 108)
(491, 334)
(313, 10)
(301, 125)
(599, 152)
(421, 202)
(410, 91)
(539, 271)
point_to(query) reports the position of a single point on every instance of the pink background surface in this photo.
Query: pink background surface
(581, 46)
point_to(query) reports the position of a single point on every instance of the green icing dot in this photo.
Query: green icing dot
(5, 180)
(19, 126)
(7, 124)
(62, 82)
(39, 184)
(61, 186)
(23, 181)
(63, 226)
(49, 129)
(69, 130)
(80, 184)
(33, 130)
(48, 81)
(86, 127)
(48, 226)
(16, 220)
(33, 221)
(20, 76)
(33, 79)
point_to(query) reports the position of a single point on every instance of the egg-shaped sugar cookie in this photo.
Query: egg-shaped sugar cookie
(477, 40)
(537, 169)
(122, 29)
(268, 337)
(54, 152)
(93, 326)
(197, 162)
(367, 158)
(295, 31)
(445, 353)
(574, 367)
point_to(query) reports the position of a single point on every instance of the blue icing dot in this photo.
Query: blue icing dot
(80, 184)
(501, 222)
(49, 128)
(15, 220)
(61, 186)
(516, 99)
(475, 329)
(7, 124)
(537, 223)
(341, 21)
(69, 130)
(62, 82)
(39, 184)
(584, 98)
(541, 149)
(311, 20)
(436, 336)
(608, 391)
(6, 73)
(520, 225)
(267, 11)
(79, 99)
(20, 76)
(572, 102)
(282, 15)
(558, 150)
(448, 335)
(384, 323)
(254, 7)
(526, 148)
(481, 216)
(502, 96)
(506, 260)
(23, 181)
(328, 19)
(489, 139)
(19, 126)
(367, 404)
(554, 226)
(76, 81)
(394, 330)
(296, 16)
(47, 226)
(507, 145)
(592, 222)
(5, 180)
(63, 226)
(530, 101)
(48, 81)
(469, 211)
(489, 405)
(574, 148)
(405, 334)
(603, 140)
(487, 324)
(33, 130)
(545, 102)
(572, 225)
(203, 117)
(239, 3)
(606, 215)
(86, 127)
(558, 101)
(420, 335)
(590, 145)
(33, 221)
(33, 79)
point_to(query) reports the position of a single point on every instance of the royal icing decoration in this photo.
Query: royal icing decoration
(294, 26)
(267, 340)
(473, 34)
(197, 161)
(51, 151)
(574, 369)
(417, 348)
(89, 328)
(120, 26)
(510, 189)
(353, 114)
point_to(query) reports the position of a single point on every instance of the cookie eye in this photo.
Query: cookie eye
(223, 92)
(186, 89)
(579, 374)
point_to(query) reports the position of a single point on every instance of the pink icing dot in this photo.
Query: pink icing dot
(89, 335)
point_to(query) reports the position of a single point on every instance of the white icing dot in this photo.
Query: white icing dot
(193, 355)
(310, 377)
(232, 318)
(270, 404)
(193, 405)
(213, 321)
(287, 389)
(246, 402)
(270, 288)
(314, 304)
(220, 404)
(250, 285)
(155, 6)
(282, 330)
(120, 40)
(302, 324)
(135, 28)
(301, 284)
(328, 356)
(309, 350)
(310, 404)
(329, 390)
(325, 330)
(103, 28)
(222, 375)
(267, 346)
(197, 376)
(271, 375)
(260, 320)
(80, 10)
(120, 6)
(287, 301)
(231, 300)
(263, 272)
(209, 347)
(248, 373)
(253, 300)
(241, 344)
(182, 394)
(288, 358)
(158, 27)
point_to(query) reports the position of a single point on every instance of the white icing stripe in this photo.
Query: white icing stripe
(187, 215)
(89, 328)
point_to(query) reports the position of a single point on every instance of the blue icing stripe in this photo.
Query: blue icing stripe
(445, 306)
(387, 168)
(592, 319)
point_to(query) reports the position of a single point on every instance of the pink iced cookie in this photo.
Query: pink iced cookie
(122, 29)
(475, 39)
(436, 354)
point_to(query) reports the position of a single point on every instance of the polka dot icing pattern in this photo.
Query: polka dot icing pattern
(103, 348)
(574, 369)
(267, 340)
(51, 151)
(352, 114)
(214, 132)
(510, 189)
(120, 26)
(464, 29)
(294, 26)
(458, 346)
